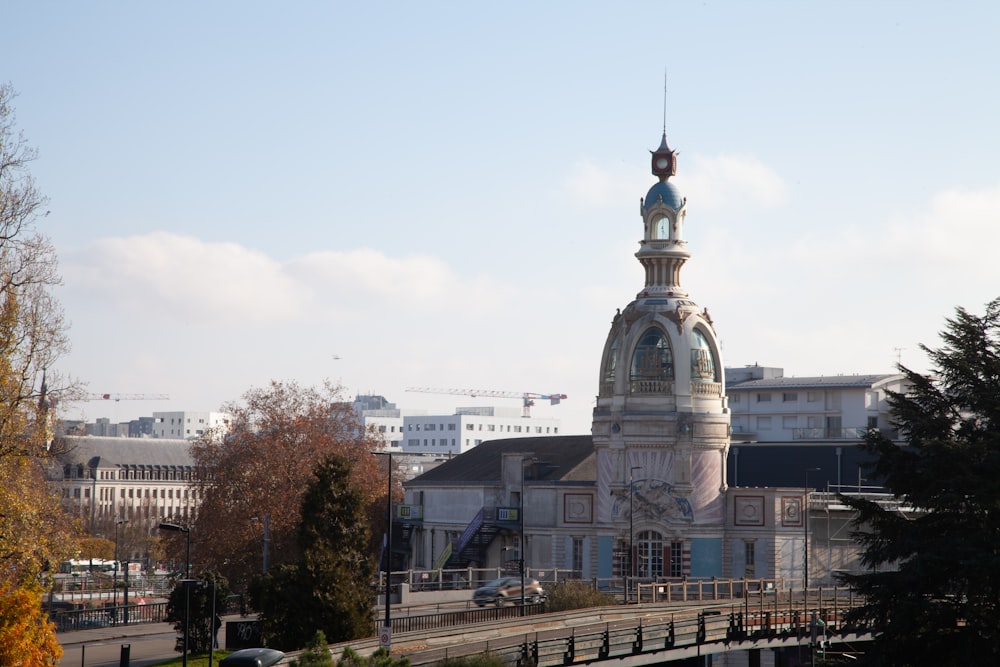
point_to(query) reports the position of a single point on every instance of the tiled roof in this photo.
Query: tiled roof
(111, 452)
(819, 382)
(556, 459)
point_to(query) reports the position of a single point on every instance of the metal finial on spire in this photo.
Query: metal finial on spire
(664, 159)
(664, 101)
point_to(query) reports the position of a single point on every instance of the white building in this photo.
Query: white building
(375, 412)
(139, 480)
(767, 407)
(186, 425)
(450, 435)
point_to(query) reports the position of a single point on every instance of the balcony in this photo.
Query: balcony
(661, 387)
(820, 433)
(710, 389)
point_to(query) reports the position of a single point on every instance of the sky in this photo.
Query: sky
(396, 195)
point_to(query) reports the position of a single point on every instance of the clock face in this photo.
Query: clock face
(662, 162)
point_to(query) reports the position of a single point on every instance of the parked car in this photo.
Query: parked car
(508, 589)
(252, 657)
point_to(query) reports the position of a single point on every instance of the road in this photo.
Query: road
(149, 644)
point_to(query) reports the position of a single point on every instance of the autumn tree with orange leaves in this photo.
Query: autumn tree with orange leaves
(27, 637)
(35, 534)
(257, 468)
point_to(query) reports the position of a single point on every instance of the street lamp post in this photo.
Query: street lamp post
(520, 548)
(805, 532)
(520, 516)
(118, 522)
(267, 543)
(173, 527)
(385, 637)
(631, 530)
(125, 593)
(266, 523)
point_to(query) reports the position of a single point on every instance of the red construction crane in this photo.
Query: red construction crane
(527, 397)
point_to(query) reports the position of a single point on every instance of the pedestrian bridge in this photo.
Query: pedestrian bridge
(643, 633)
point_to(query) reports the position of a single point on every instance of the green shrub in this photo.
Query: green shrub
(316, 653)
(380, 658)
(576, 594)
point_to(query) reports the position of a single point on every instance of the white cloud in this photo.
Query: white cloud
(731, 182)
(206, 321)
(181, 277)
(814, 301)
(958, 233)
(366, 278)
(173, 277)
(855, 298)
(592, 184)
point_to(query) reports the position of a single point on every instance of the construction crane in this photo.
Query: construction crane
(126, 397)
(527, 398)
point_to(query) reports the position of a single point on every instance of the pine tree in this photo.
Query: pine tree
(200, 598)
(933, 594)
(329, 589)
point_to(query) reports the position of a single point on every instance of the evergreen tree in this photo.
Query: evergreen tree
(203, 626)
(329, 589)
(316, 653)
(933, 594)
(259, 465)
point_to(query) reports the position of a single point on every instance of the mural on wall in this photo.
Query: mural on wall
(654, 500)
(706, 476)
(655, 493)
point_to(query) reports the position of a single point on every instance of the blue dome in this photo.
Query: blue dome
(665, 189)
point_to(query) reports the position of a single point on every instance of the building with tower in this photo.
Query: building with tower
(652, 503)
(647, 494)
(661, 427)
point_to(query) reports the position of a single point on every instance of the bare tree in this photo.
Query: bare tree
(34, 531)
(33, 332)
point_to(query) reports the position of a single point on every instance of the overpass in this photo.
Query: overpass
(632, 635)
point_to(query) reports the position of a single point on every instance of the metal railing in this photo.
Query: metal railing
(661, 632)
(103, 617)
(470, 578)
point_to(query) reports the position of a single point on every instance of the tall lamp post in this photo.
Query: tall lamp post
(176, 528)
(266, 523)
(118, 522)
(805, 532)
(385, 637)
(520, 516)
(631, 529)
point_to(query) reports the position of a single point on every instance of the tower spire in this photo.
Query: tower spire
(664, 159)
(664, 105)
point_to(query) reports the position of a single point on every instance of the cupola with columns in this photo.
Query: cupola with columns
(661, 424)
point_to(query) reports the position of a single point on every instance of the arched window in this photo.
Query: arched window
(652, 363)
(661, 228)
(612, 361)
(649, 554)
(703, 366)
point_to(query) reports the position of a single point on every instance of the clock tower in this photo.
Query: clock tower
(661, 424)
